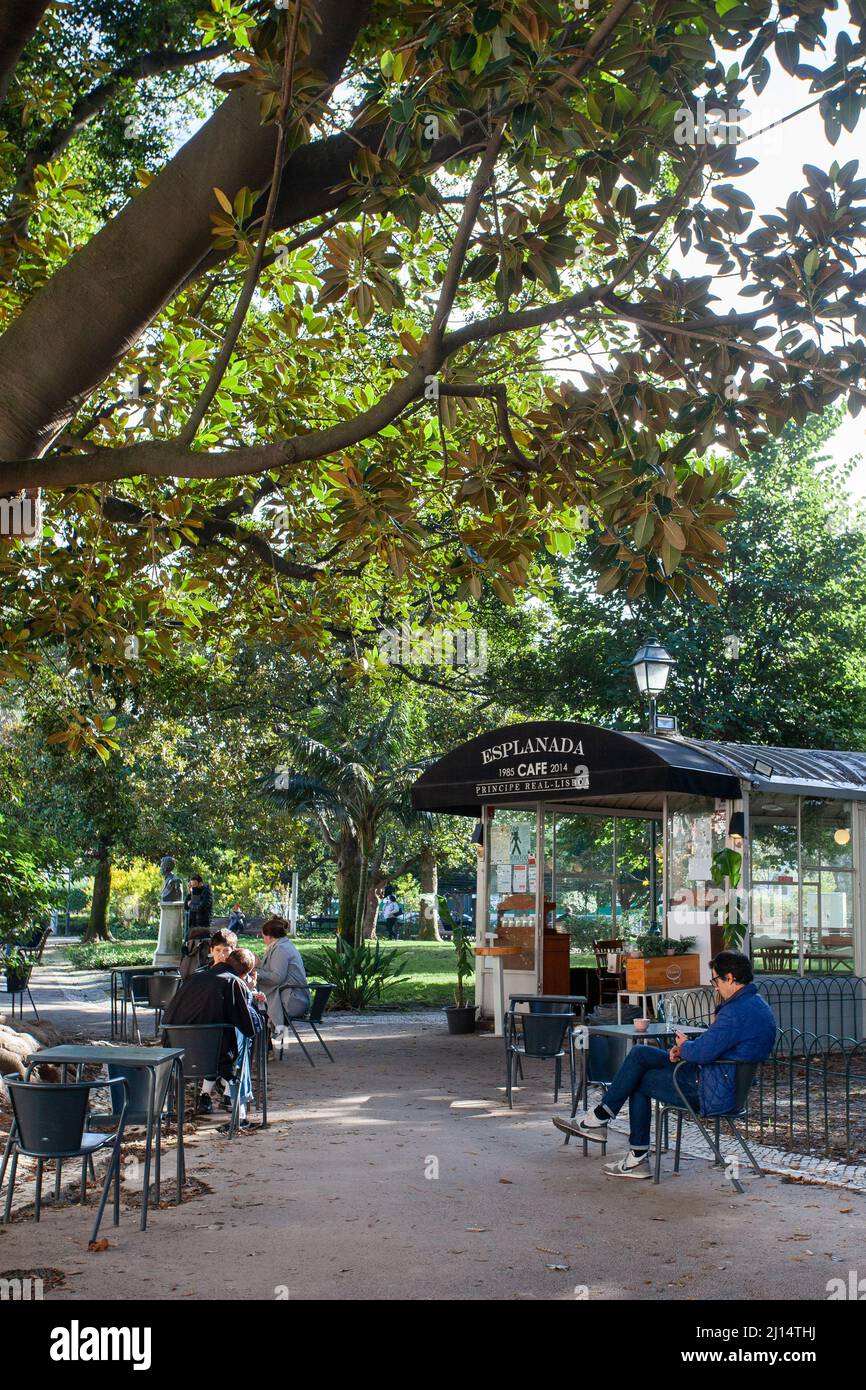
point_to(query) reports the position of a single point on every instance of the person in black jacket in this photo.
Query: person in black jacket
(217, 996)
(199, 911)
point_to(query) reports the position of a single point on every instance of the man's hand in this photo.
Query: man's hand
(680, 1039)
(674, 1054)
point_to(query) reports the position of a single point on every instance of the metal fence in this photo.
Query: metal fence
(810, 1095)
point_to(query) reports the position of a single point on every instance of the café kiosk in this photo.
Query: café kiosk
(579, 823)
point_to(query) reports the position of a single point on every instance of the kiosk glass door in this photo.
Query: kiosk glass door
(512, 885)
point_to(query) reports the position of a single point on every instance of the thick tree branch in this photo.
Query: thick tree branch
(19, 20)
(75, 329)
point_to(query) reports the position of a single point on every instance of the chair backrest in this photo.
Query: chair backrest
(50, 1118)
(777, 957)
(161, 989)
(321, 995)
(544, 1034)
(136, 986)
(743, 1082)
(603, 949)
(201, 1043)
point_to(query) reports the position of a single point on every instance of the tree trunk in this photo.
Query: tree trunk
(371, 913)
(348, 879)
(97, 926)
(429, 924)
(373, 895)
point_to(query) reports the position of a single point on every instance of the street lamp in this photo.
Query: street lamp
(652, 666)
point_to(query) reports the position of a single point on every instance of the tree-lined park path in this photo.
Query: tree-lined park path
(77, 1002)
(399, 1172)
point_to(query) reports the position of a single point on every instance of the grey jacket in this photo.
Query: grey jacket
(281, 975)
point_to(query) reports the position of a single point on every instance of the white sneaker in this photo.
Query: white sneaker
(631, 1165)
(587, 1127)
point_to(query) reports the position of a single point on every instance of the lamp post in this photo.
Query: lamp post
(652, 667)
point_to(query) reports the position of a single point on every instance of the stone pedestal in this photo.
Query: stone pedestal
(168, 948)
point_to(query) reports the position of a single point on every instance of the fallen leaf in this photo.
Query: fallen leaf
(97, 1246)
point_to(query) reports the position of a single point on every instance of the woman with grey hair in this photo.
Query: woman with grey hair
(281, 976)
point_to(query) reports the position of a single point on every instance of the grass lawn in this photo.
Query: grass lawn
(427, 965)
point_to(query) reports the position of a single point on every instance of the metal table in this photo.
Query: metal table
(153, 1060)
(121, 992)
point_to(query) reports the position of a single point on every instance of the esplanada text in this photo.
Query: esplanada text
(77, 1343)
(517, 747)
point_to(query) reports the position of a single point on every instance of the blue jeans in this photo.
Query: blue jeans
(647, 1074)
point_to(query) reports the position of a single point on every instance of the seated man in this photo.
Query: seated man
(217, 996)
(744, 1030)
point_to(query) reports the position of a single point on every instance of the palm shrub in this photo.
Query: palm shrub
(360, 974)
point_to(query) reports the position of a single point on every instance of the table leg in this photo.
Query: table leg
(263, 1068)
(499, 998)
(151, 1102)
(179, 1120)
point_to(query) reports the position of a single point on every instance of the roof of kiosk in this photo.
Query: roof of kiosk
(563, 762)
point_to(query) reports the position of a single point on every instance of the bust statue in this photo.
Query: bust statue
(172, 888)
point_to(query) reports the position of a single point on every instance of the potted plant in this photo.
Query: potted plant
(460, 1015)
(654, 969)
(17, 968)
(728, 865)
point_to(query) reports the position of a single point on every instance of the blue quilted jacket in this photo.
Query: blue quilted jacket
(744, 1029)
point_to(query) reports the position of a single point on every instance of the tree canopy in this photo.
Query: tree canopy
(284, 369)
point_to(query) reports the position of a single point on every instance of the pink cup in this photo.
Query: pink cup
(641, 1025)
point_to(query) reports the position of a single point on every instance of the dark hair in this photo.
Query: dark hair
(275, 927)
(196, 878)
(241, 961)
(733, 963)
(224, 937)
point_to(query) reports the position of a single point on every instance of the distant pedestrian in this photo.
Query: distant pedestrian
(237, 920)
(391, 913)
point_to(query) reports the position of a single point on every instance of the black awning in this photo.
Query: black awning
(564, 762)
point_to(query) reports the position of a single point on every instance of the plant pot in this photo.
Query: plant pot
(16, 984)
(460, 1020)
(663, 972)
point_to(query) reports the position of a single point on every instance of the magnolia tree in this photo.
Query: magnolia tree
(300, 381)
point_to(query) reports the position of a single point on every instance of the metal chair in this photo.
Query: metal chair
(145, 990)
(744, 1080)
(202, 1049)
(49, 1122)
(610, 982)
(318, 1003)
(543, 1036)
